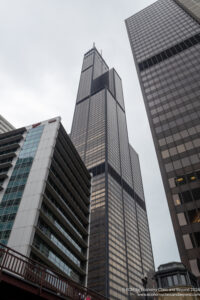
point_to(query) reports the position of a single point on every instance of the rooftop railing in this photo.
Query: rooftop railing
(31, 272)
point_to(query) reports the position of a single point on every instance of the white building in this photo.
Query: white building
(45, 197)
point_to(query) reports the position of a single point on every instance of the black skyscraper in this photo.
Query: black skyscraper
(165, 40)
(120, 250)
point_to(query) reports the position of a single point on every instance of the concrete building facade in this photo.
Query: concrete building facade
(45, 198)
(165, 41)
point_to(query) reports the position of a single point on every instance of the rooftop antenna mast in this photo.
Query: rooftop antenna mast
(93, 44)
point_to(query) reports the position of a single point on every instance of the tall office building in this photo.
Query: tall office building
(120, 250)
(165, 41)
(45, 198)
(5, 125)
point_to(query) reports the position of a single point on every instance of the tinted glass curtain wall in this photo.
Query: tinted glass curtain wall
(120, 248)
(165, 41)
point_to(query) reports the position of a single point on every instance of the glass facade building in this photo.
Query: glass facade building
(165, 41)
(120, 250)
(45, 198)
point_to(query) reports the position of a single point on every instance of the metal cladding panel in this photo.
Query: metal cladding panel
(85, 84)
(88, 61)
(134, 260)
(97, 250)
(174, 93)
(118, 268)
(113, 134)
(165, 41)
(124, 147)
(79, 127)
(173, 107)
(111, 82)
(118, 90)
(95, 149)
(152, 30)
(137, 178)
(99, 66)
(145, 242)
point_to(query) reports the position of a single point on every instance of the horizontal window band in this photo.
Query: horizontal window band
(100, 169)
(178, 48)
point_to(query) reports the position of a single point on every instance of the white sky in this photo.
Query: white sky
(42, 43)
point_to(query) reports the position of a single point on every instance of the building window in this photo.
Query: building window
(181, 148)
(169, 167)
(181, 219)
(165, 154)
(175, 279)
(183, 279)
(194, 216)
(195, 266)
(170, 281)
(187, 241)
(171, 182)
(176, 199)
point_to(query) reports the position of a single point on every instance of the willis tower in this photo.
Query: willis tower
(120, 251)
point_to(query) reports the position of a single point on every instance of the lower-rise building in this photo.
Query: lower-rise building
(45, 198)
(175, 281)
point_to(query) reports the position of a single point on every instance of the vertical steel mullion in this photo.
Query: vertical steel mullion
(106, 193)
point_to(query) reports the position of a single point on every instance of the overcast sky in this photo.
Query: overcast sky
(42, 43)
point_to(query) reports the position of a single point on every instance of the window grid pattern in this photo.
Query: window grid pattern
(179, 137)
(97, 251)
(124, 147)
(152, 31)
(135, 270)
(85, 84)
(95, 149)
(117, 244)
(137, 178)
(146, 252)
(174, 50)
(79, 127)
(99, 66)
(113, 138)
(88, 61)
(193, 7)
(119, 90)
(106, 264)
(172, 93)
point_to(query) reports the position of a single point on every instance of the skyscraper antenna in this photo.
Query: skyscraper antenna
(93, 44)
